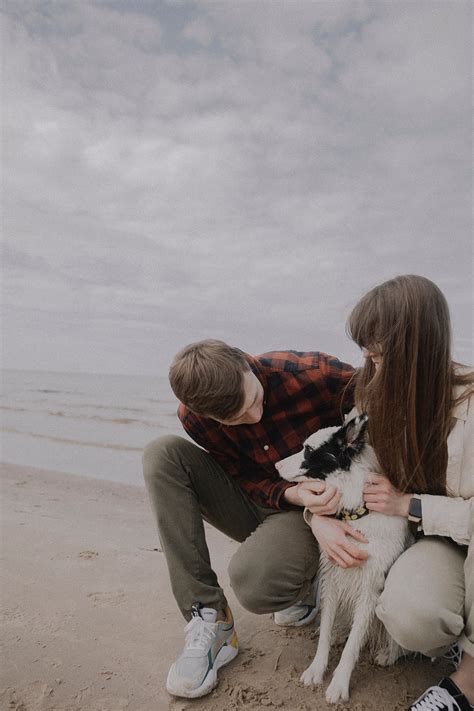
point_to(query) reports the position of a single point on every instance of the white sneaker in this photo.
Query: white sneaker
(302, 612)
(210, 644)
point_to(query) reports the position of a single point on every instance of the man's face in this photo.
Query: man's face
(252, 410)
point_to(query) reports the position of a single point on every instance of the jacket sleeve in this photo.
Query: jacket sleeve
(448, 516)
(453, 516)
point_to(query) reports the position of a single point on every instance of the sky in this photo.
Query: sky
(242, 170)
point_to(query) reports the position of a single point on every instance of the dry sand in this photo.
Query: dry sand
(90, 623)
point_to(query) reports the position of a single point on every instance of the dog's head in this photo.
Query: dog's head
(337, 452)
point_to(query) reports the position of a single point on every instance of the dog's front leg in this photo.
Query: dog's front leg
(313, 675)
(363, 617)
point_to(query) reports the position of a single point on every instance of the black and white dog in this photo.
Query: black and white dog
(341, 457)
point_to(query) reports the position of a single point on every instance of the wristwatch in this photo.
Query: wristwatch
(414, 514)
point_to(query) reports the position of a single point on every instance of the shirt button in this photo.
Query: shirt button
(266, 447)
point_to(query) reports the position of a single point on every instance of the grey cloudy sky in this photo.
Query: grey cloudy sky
(236, 169)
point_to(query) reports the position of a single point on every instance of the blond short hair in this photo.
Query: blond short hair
(206, 376)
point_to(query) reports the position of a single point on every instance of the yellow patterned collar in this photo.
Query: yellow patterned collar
(352, 514)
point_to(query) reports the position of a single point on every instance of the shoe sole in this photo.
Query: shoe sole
(301, 622)
(311, 616)
(225, 655)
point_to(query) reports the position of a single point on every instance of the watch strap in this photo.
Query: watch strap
(415, 514)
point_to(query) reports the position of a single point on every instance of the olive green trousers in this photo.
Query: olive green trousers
(278, 556)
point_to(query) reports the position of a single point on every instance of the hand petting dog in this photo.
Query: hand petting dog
(334, 538)
(380, 495)
(314, 495)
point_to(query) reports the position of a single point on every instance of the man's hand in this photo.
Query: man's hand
(380, 495)
(315, 496)
(334, 538)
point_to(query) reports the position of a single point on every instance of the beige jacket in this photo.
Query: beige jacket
(453, 515)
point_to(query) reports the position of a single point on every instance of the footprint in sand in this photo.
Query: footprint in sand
(107, 598)
(108, 703)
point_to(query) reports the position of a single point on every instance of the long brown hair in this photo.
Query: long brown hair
(409, 399)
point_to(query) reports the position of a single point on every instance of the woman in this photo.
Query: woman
(421, 415)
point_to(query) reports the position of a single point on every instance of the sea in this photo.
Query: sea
(87, 424)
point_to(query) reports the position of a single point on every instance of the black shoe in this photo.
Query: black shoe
(444, 697)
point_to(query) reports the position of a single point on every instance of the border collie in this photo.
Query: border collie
(342, 458)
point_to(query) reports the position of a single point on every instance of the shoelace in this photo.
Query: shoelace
(436, 699)
(199, 633)
(454, 655)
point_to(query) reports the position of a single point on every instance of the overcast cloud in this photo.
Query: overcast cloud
(234, 169)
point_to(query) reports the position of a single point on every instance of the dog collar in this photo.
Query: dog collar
(352, 514)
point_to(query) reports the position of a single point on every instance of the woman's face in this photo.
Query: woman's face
(374, 355)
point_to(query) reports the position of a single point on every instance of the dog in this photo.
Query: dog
(341, 457)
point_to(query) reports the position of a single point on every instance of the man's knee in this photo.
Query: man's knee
(159, 453)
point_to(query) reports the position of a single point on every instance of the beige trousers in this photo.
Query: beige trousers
(428, 599)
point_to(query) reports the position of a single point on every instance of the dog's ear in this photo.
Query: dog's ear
(353, 431)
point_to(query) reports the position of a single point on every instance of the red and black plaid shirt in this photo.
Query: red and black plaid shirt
(302, 393)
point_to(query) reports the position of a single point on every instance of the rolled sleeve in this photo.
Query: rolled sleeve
(452, 517)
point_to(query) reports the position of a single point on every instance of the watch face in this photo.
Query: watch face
(415, 508)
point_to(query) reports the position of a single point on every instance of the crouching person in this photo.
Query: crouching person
(245, 413)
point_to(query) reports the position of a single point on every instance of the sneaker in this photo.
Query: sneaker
(210, 644)
(302, 612)
(444, 697)
(453, 655)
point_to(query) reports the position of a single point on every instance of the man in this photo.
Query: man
(245, 413)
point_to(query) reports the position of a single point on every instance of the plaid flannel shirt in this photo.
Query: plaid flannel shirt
(303, 392)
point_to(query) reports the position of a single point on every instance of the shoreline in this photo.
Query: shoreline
(90, 623)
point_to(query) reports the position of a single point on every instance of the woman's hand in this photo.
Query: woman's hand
(315, 496)
(380, 495)
(334, 538)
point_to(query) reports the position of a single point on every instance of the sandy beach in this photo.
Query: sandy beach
(89, 622)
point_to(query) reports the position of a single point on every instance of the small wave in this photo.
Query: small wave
(112, 420)
(64, 440)
(93, 406)
(50, 390)
(163, 401)
(97, 418)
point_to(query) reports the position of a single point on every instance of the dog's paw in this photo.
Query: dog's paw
(338, 690)
(388, 655)
(312, 676)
